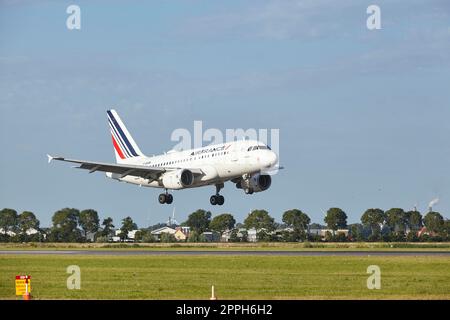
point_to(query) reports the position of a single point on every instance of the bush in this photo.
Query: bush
(237, 236)
(328, 236)
(412, 237)
(244, 237)
(398, 237)
(202, 238)
(307, 244)
(193, 237)
(101, 239)
(4, 237)
(314, 238)
(264, 236)
(287, 236)
(373, 238)
(167, 237)
(436, 239)
(340, 237)
(148, 238)
(234, 236)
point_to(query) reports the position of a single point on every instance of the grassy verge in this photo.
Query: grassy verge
(235, 277)
(306, 246)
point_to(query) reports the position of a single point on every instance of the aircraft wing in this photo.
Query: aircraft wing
(122, 169)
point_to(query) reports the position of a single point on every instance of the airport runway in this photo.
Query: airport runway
(222, 253)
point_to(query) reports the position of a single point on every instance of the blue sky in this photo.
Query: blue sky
(364, 116)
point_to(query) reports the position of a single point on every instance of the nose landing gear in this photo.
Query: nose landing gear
(217, 199)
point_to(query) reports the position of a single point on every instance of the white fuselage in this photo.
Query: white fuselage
(217, 163)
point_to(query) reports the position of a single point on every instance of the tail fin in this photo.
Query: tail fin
(124, 145)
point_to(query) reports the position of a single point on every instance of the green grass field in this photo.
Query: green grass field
(234, 277)
(278, 246)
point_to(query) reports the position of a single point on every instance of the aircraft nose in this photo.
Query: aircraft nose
(272, 159)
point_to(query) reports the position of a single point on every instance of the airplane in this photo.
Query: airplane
(245, 163)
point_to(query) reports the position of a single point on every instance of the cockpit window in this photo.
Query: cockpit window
(259, 148)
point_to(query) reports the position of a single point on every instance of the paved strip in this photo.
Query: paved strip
(222, 253)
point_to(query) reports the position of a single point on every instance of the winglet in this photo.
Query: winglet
(50, 158)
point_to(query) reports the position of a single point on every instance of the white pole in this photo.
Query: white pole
(213, 297)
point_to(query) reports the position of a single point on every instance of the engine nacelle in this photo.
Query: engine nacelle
(177, 179)
(256, 183)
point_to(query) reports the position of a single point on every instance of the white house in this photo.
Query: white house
(323, 232)
(28, 232)
(9, 233)
(252, 235)
(131, 234)
(226, 236)
(31, 231)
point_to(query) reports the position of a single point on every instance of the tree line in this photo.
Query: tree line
(73, 225)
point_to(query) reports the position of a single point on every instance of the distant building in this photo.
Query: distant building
(29, 232)
(115, 237)
(424, 231)
(251, 234)
(185, 230)
(211, 236)
(225, 237)
(315, 232)
(157, 233)
(322, 233)
(9, 233)
(130, 236)
(180, 235)
(90, 236)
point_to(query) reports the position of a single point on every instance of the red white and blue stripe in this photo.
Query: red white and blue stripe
(122, 141)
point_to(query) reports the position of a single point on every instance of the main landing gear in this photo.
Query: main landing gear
(165, 198)
(217, 199)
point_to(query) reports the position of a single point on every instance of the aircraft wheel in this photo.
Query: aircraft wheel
(220, 200)
(213, 200)
(169, 199)
(162, 198)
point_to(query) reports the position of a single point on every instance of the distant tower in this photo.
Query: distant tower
(172, 221)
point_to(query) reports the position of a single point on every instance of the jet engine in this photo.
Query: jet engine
(255, 183)
(177, 179)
